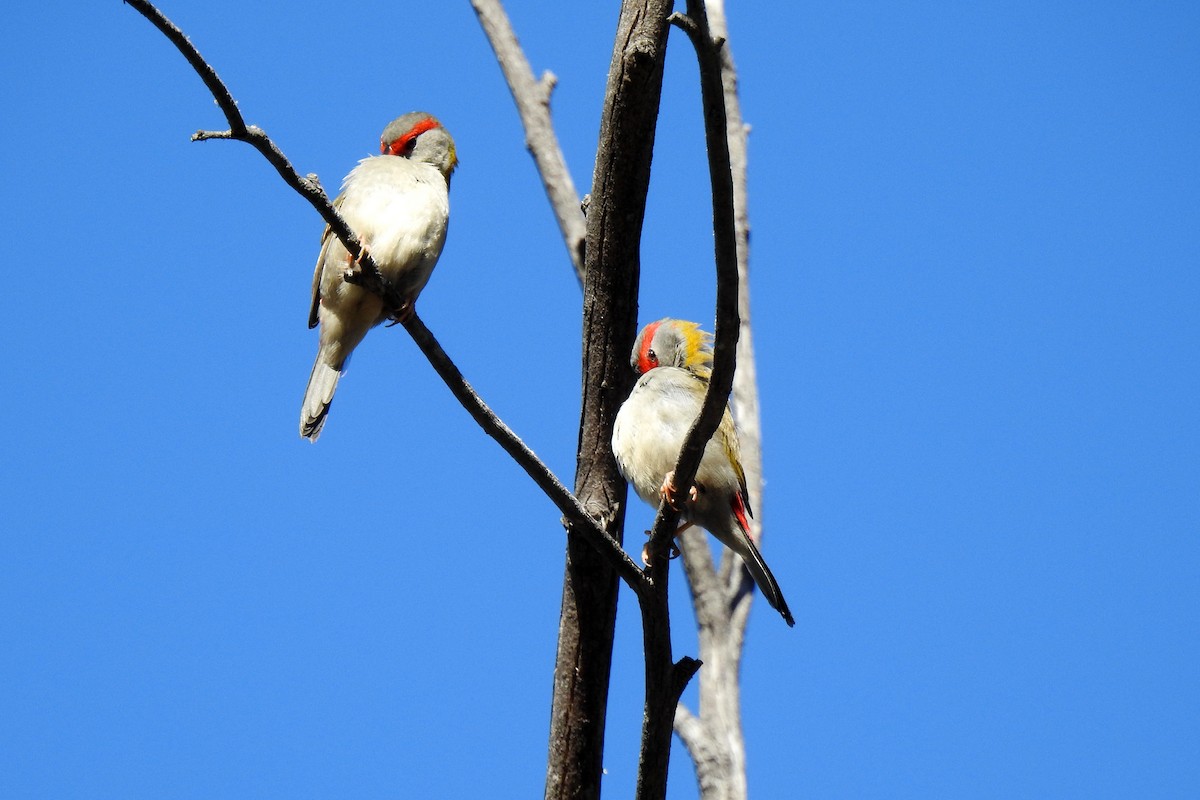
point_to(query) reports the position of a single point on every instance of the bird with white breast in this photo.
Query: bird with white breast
(398, 205)
(674, 360)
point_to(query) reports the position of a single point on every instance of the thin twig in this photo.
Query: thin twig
(726, 329)
(533, 104)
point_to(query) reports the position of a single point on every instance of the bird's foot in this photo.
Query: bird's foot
(670, 493)
(403, 313)
(354, 265)
(672, 554)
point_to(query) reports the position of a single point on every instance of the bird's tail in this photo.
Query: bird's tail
(322, 383)
(741, 543)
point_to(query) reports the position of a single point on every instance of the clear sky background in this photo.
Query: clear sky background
(975, 258)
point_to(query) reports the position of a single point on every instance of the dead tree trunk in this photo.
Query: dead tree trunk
(611, 272)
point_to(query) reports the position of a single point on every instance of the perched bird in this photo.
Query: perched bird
(398, 205)
(674, 359)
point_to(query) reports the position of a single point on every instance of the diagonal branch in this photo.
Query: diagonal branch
(371, 280)
(493, 426)
(533, 104)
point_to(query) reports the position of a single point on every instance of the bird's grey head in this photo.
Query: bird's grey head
(672, 343)
(420, 137)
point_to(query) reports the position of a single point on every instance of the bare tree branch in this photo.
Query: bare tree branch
(665, 681)
(726, 329)
(745, 380)
(714, 738)
(575, 514)
(369, 277)
(722, 598)
(663, 676)
(533, 104)
(710, 758)
(693, 734)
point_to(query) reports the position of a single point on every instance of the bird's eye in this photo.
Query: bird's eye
(402, 147)
(653, 357)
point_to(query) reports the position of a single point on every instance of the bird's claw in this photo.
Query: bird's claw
(403, 314)
(354, 264)
(672, 554)
(669, 492)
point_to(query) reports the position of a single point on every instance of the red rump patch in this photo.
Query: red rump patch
(645, 364)
(739, 511)
(404, 144)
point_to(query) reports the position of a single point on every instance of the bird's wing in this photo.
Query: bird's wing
(327, 238)
(729, 440)
(316, 287)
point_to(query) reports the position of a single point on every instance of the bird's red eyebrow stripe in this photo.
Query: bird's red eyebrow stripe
(647, 339)
(417, 130)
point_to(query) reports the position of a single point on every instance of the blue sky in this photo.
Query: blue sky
(975, 249)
